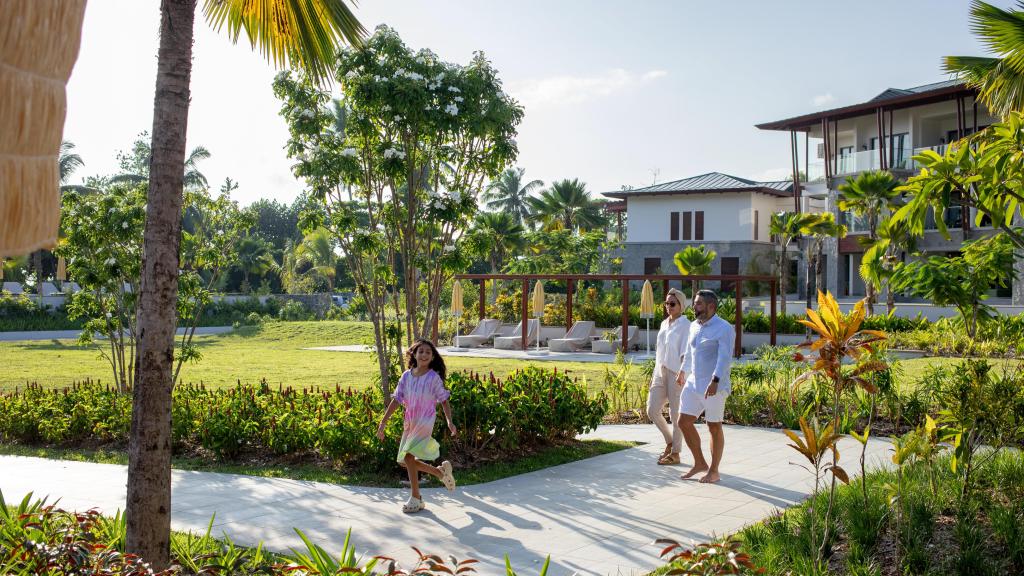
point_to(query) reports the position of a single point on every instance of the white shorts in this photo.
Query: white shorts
(692, 402)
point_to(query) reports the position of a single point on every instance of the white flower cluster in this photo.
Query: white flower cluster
(308, 113)
(349, 152)
(414, 76)
(454, 89)
(435, 84)
(452, 109)
(394, 153)
(351, 74)
(457, 98)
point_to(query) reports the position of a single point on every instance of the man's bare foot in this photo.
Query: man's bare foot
(694, 471)
(710, 478)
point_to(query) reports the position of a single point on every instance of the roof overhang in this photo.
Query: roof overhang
(807, 121)
(631, 193)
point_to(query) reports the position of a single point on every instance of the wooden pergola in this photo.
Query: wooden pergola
(625, 279)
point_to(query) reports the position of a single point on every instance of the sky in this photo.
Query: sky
(615, 93)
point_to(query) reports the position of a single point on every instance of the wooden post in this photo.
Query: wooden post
(569, 286)
(482, 305)
(835, 147)
(880, 126)
(625, 316)
(772, 321)
(794, 155)
(826, 146)
(526, 314)
(892, 154)
(738, 349)
(664, 289)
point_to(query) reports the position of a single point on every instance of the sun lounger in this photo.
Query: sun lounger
(484, 331)
(514, 341)
(606, 347)
(579, 336)
(13, 287)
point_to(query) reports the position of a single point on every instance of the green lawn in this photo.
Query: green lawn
(276, 351)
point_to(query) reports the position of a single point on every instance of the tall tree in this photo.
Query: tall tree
(694, 261)
(305, 33)
(254, 257)
(869, 195)
(68, 161)
(494, 236)
(567, 203)
(999, 79)
(135, 165)
(784, 228)
(884, 255)
(821, 228)
(507, 193)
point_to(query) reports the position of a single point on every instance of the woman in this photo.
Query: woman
(671, 339)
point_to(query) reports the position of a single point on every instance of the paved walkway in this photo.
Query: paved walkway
(596, 516)
(73, 334)
(546, 355)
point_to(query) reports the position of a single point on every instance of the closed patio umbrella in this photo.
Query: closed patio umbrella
(457, 310)
(538, 308)
(647, 309)
(39, 42)
(62, 269)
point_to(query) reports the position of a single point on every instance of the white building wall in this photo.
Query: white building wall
(727, 216)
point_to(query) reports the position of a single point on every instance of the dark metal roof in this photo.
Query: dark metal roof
(891, 98)
(709, 183)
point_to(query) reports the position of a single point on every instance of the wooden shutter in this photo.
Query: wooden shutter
(755, 224)
(687, 225)
(730, 266)
(673, 226)
(698, 225)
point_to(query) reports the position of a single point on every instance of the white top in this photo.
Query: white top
(708, 353)
(671, 339)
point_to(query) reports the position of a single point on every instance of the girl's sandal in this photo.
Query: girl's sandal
(669, 460)
(413, 506)
(446, 476)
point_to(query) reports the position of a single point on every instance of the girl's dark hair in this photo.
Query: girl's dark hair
(437, 364)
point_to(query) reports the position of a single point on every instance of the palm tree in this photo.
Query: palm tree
(68, 162)
(869, 195)
(301, 33)
(508, 194)
(784, 228)
(317, 250)
(694, 261)
(568, 204)
(495, 235)
(999, 80)
(255, 256)
(193, 179)
(882, 255)
(822, 227)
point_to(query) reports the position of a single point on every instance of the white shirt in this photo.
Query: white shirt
(708, 353)
(671, 340)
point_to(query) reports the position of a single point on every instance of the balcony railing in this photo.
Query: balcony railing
(865, 160)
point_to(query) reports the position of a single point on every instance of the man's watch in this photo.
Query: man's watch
(714, 379)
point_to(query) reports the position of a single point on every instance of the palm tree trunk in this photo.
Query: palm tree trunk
(783, 280)
(37, 263)
(148, 509)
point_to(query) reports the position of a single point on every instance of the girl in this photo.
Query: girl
(419, 390)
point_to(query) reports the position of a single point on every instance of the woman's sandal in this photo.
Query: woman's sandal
(668, 460)
(668, 450)
(413, 505)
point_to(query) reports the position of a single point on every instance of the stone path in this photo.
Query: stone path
(596, 516)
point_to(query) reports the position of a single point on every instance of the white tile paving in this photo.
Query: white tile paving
(597, 516)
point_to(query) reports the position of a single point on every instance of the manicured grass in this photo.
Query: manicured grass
(275, 352)
(487, 472)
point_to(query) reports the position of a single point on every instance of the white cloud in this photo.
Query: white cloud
(822, 99)
(576, 89)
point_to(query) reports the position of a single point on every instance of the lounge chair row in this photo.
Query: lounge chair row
(581, 335)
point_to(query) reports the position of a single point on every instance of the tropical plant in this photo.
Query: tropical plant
(784, 228)
(495, 236)
(508, 194)
(136, 164)
(694, 261)
(568, 204)
(840, 339)
(254, 258)
(68, 161)
(884, 254)
(317, 251)
(304, 33)
(707, 559)
(961, 281)
(999, 80)
(869, 195)
(558, 251)
(821, 228)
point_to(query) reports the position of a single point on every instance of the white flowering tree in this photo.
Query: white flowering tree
(102, 235)
(418, 140)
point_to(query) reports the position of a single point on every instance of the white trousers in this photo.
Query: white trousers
(664, 389)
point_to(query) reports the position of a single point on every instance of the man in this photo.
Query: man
(705, 371)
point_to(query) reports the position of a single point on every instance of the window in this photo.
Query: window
(687, 225)
(673, 226)
(755, 224)
(730, 266)
(698, 221)
(652, 266)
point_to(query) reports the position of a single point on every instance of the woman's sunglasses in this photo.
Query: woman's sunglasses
(670, 304)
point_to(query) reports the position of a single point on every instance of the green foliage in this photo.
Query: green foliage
(961, 281)
(558, 251)
(18, 312)
(528, 409)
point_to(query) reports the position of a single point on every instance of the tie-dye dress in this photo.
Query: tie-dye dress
(420, 396)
